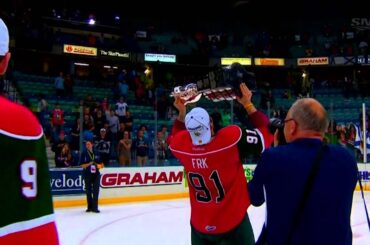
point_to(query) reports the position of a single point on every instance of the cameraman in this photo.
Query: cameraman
(283, 173)
(91, 174)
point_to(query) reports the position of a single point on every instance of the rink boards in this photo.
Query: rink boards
(133, 184)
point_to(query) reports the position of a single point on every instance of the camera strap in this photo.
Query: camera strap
(306, 192)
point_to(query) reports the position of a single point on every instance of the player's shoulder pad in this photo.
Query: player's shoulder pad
(177, 140)
(229, 135)
(18, 121)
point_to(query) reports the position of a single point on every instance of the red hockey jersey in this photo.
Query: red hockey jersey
(217, 184)
(26, 204)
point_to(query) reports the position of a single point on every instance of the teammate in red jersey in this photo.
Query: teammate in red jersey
(213, 164)
(26, 206)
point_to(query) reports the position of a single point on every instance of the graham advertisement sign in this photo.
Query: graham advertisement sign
(313, 61)
(111, 178)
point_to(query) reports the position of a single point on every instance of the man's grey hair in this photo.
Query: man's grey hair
(310, 115)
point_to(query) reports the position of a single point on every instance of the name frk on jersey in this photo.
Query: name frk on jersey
(199, 162)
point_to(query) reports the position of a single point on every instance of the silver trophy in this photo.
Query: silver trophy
(191, 94)
(188, 93)
(219, 85)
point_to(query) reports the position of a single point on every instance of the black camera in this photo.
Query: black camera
(277, 124)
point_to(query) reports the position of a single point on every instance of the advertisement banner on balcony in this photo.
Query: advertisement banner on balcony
(225, 61)
(171, 58)
(351, 60)
(269, 62)
(112, 53)
(79, 50)
(313, 61)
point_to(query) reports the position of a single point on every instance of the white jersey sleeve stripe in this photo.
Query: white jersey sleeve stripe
(26, 225)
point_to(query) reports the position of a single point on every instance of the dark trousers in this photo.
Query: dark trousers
(242, 234)
(92, 182)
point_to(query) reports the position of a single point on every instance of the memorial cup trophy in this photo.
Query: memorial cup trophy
(219, 85)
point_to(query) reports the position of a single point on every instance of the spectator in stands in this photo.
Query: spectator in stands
(87, 121)
(165, 135)
(359, 139)
(331, 136)
(43, 110)
(64, 158)
(121, 130)
(160, 149)
(113, 121)
(99, 120)
(59, 85)
(144, 128)
(57, 120)
(89, 102)
(141, 148)
(103, 146)
(121, 108)
(104, 105)
(26, 212)
(128, 121)
(122, 75)
(57, 148)
(123, 89)
(286, 173)
(75, 140)
(351, 137)
(124, 149)
(107, 128)
(164, 131)
(88, 133)
(341, 134)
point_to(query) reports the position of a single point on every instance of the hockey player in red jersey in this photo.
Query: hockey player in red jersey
(212, 161)
(26, 206)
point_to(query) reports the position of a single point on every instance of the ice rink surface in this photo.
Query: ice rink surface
(161, 223)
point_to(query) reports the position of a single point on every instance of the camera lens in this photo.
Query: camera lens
(275, 123)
